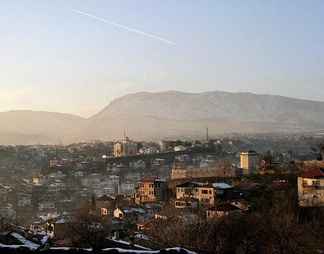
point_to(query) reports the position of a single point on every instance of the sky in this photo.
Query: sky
(76, 56)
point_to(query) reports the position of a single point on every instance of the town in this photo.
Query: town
(154, 195)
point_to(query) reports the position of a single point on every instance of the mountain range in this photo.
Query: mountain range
(166, 115)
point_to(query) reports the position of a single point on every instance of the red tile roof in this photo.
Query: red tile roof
(317, 172)
(104, 198)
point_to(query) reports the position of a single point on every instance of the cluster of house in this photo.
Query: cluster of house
(153, 200)
(46, 196)
(128, 147)
(126, 200)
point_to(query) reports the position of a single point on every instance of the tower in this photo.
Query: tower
(249, 160)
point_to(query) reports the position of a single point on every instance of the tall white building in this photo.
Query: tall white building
(249, 160)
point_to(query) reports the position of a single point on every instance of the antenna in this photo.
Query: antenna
(207, 133)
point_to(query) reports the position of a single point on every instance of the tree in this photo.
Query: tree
(320, 149)
(268, 158)
(224, 164)
(272, 228)
(86, 228)
(6, 225)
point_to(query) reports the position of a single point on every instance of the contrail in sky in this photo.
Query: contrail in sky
(295, 83)
(124, 27)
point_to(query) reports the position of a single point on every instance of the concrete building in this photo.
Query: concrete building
(204, 193)
(311, 188)
(125, 147)
(249, 160)
(151, 190)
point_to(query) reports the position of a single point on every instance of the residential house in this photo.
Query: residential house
(108, 207)
(165, 214)
(3, 191)
(133, 176)
(147, 150)
(223, 191)
(54, 162)
(16, 239)
(130, 215)
(57, 186)
(242, 204)
(24, 199)
(91, 181)
(311, 188)
(103, 200)
(145, 225)
(221, 210)
(41, 180)
(205, 193)
(128, 187)
(152, 208)
(79, 174)
(186, 202)
(164, 145)
(46, 209)
(151, 190)
(140, 164)
(60, 227)
(104, 209)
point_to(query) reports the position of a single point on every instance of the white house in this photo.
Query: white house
(24, 199)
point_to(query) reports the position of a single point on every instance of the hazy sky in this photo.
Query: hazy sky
(55, 59)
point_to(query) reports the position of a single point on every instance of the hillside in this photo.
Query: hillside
(172, 114)
(26, 127)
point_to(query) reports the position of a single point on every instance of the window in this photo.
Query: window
(317, 183)
(304, 182)
(305, 193)
(178, 203)
(151, 185)
(205, 200)
(204, 191)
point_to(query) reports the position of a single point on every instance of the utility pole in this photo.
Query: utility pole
(207, 133)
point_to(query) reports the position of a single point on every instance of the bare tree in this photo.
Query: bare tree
(86, 228)
(224, 164)
(320, 149)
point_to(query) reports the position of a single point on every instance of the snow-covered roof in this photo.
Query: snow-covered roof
(222, 186)
(29, 244)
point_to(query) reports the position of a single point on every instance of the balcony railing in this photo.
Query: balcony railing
(309, 186)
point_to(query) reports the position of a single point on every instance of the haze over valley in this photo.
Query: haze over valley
(166, 115)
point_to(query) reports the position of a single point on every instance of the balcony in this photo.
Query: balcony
(309, 186)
